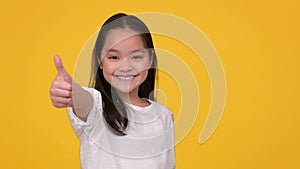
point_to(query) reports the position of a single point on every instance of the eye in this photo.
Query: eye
(113, 57)
(137, 57)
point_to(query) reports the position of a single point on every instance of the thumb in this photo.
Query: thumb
(58, 64)
(62, 73)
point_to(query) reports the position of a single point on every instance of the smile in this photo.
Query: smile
(125, 77)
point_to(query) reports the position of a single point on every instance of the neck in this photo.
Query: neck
(129, 97)
(133, 98)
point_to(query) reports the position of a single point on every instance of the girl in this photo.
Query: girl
(119, 124)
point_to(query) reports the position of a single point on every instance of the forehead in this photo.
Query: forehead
(123, 40)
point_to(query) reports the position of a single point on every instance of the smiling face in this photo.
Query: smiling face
(125, 61)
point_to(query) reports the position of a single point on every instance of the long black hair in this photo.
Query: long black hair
(114, 111)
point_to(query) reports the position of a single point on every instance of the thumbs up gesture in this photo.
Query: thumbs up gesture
(65, 93)
(61, 89)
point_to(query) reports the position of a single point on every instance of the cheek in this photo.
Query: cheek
(108, 70)
(143, 75)
(141, 67)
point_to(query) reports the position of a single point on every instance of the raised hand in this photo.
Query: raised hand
(61, 89)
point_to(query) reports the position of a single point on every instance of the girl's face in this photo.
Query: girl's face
(125, 61)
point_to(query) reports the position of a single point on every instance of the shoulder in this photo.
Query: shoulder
(163, 109)
(164, 113)
(160, 106)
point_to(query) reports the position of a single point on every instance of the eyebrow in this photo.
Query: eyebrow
(112, 50)
(138, 50)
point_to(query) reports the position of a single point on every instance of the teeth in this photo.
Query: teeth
(125, 77)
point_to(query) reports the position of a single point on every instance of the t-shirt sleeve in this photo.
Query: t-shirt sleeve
(81, 127)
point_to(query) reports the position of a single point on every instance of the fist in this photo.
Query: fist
(61, 88)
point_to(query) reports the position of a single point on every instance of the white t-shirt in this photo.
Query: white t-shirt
(148, 143)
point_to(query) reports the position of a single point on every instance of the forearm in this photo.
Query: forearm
(82, 102)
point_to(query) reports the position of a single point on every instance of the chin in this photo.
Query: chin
(124, 91)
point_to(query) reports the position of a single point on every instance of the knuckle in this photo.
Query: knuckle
(54, 83)
(51, 90)
(69, 94)
(54, 104)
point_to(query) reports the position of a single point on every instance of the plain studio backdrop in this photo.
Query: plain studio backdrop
(258, 45)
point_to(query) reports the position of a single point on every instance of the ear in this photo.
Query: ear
(100, 65)
(151, 56)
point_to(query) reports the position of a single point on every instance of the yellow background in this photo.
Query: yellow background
(258, 44)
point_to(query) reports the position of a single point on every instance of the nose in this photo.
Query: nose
(125, 65)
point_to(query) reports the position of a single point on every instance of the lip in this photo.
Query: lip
(125, 77)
